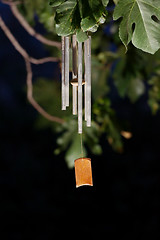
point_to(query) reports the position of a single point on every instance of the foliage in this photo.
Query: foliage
(70, 142)
(131, 73)
(104, 123)
(79, 16)
(128, 77)
(138, 24)
(30, 9)
(106, 118)
(154, 92)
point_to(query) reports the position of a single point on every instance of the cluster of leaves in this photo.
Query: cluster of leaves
(140, 23)
(30, 9)
(129, 74)
(104, 124)
(154, 92)
(79, 17)
(133, 72)
(71, 143)
(140, 19)
(108, 123)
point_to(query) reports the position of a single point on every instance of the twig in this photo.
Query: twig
(28, 28)
(43, 60)
(21, 50)
(10, 2)
(28, 61)
(32, 100)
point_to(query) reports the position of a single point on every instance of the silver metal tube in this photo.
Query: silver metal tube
(79, 87)
(74, 97)
(85, 79)
(74, 73)
(63, 79)
(66, 67)
(74, 57)
(88, 81)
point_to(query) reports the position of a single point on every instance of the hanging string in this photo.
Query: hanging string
(82, 154)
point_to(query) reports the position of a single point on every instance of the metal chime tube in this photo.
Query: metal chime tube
(74, 73)
(85, 76)
(77, 78)
(79, 87)
(66, 67)
(87, 59)
(63, 78)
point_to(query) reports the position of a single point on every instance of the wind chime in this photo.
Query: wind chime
(81, 83)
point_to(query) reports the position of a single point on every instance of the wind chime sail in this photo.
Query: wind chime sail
(81, 56)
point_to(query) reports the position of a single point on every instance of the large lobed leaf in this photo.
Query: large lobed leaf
(140, 23)
(79, 16)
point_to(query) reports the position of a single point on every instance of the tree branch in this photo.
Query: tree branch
(28, 28)
(32, 100)
(28, 61)
(43, 60)
(21, 50)
(10, 2)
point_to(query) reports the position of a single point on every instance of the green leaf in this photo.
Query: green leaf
(79, 16)
(115, 1)
(130, 86)
(89, 24)
(154, 93)
(136, 89)
(97, 9)
(81, 36)
(67, 16)
(138, 24)
(56, 3)
(105, 2)
(92, 13)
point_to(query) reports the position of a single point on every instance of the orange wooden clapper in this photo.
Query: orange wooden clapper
(83, 172)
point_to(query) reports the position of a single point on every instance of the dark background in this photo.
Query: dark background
(38, 198)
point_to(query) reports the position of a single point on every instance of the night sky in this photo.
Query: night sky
(38, 197)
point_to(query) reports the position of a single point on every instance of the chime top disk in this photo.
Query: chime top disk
(74, 82)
